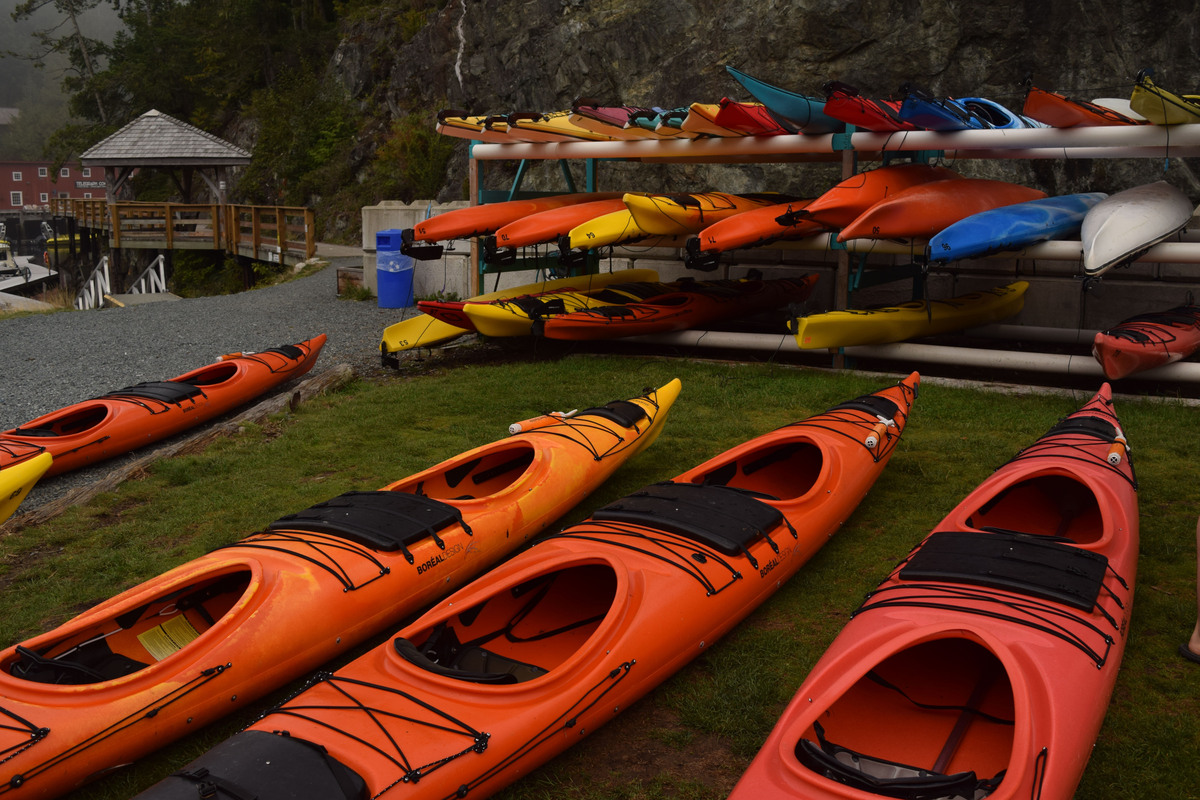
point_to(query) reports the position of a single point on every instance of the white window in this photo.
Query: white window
(43, 198)
(16, 175)
(87, 195)
(15, 200)
(43, 172)
(87, 172)
(65, 172)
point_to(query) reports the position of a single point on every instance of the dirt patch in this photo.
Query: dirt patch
(647, 743)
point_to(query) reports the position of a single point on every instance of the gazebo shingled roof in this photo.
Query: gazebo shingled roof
(160, 141)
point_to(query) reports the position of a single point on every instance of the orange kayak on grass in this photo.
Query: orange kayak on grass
(1148, 341)
(126, 419)
(983, 665)
(521, 664)
(166, 657)
(697, 304)
(920, 212)
(487, 218)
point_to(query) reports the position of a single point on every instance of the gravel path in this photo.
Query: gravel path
(53, 360)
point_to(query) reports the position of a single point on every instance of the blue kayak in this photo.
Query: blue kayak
(924, 110)
(797, 112)
(1012, 227)
(998, 116)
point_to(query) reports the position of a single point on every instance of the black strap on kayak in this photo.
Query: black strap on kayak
(211, 787)
(173, 392)
(1017, 562)
(382, 520)
(722, 517)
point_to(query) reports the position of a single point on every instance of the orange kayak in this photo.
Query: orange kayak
(168, 656)
(697, 304)
(838, 206)
(753, 228)
(1060, 111)
(487, 218)
(129, 418)
(522, 663)
(983, 665)
(921, 211)
(1147, 341)
(550, 225)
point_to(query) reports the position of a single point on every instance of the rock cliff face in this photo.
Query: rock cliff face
(493, 56)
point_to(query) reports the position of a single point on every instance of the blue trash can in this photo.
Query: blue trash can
(393, 271)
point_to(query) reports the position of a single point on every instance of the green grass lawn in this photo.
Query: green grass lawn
(693, 736)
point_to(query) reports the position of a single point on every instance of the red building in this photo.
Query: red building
(29, 185)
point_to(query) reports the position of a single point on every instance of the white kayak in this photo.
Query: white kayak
(1121, 227)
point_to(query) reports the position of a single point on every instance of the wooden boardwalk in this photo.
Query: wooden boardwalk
(279, 234)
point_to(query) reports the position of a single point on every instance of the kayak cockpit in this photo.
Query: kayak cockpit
(211, 374)
(130, 639)
(519, 633)
(932, 720)
(1045, 505)
(478, 475)
(779, 471)
(78, 419)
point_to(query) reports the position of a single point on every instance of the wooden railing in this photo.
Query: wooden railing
(268, 232)
(265, 233)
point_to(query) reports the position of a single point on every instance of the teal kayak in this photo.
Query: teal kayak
(800, 112)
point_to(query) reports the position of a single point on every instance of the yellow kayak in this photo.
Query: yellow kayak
(423, 330)
(908, 320)
(515, 316)
(17, 479)
(1161, 106)
(553, 127)
(617, 227)
(683, 214)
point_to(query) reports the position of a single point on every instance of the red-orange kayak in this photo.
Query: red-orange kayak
(1147, 341)
(129, 418)
(983, 665)
(752, 228)
(487, 218)
(548, 226)
(840, 205)
(920, 212)
(166, 657)
(699, 304)
(1061, 111)
(527, 660)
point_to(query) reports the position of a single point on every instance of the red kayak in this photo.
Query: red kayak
(1147, 341)
(843, 102)
(129, 418)
(700, 304)
(983, 665)
(523, 663)
(749, 119)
